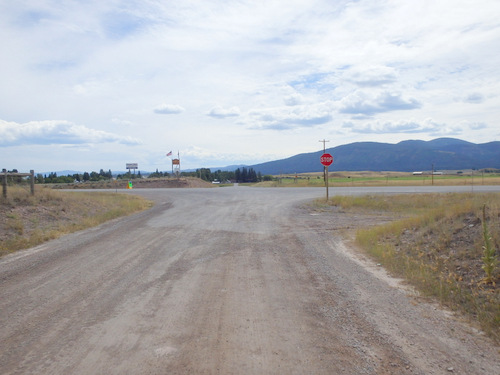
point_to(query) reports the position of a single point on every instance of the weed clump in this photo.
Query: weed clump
(489, 258)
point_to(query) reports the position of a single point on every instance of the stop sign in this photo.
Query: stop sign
(326, 159)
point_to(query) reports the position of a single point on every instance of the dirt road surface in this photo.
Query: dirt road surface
(233, 280)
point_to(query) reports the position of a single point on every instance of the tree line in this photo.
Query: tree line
(240, 175)
(53, 178)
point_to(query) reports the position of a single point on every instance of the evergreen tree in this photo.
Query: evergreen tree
(94, 176)
(252, 176)
(244, 175)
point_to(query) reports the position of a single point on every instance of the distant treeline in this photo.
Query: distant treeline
(53, 178)
(239, 175)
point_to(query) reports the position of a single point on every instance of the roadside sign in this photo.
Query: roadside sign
(326, 159)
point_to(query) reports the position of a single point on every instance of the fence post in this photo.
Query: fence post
(4, 182)
(32, 181)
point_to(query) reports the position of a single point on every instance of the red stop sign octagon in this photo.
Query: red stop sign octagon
(326, 159)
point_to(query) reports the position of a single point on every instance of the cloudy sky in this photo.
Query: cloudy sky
(94, 84)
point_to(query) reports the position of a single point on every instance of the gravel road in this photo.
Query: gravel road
(233, 280)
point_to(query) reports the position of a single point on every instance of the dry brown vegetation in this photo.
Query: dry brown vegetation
(142, 183)
(437, 243)
(369, 178)
(27, 220)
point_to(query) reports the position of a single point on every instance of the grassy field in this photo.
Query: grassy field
(359, 179)
(27, 220)
(439, 243)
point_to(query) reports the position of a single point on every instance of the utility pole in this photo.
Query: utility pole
(324, 168)
(324, 142)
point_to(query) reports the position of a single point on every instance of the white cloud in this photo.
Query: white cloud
(55, 133)
(221, 113)
(360, 102)
(474, 125)
(89, 88)
(169, 109)
(285, 118)
(371, 76)
(303, 67)
(428, 126)
(121, 123)
(293, 100)
(200, 155)
(475, 98)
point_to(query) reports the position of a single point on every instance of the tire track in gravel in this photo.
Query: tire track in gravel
(221, 281)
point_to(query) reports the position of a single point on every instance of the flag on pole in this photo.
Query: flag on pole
(170, 153)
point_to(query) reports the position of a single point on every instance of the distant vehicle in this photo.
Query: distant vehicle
(215, 182)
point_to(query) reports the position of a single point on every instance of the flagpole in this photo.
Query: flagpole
(168, 155)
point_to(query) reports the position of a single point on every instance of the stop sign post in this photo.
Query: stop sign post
(327, 160)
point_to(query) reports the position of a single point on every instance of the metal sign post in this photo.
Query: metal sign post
(326, 159)
(133, 166)
(176, 167)
(326, 174)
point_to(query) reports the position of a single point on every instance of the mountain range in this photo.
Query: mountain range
(405, 156)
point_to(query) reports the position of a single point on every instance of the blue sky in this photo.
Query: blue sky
(97, 84)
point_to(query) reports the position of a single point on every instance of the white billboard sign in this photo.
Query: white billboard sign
(132, 166)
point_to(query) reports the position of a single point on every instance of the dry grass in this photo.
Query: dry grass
(365, 179)
(27, 220)
(437, 244)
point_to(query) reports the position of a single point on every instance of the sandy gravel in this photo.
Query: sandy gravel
(223, 281)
